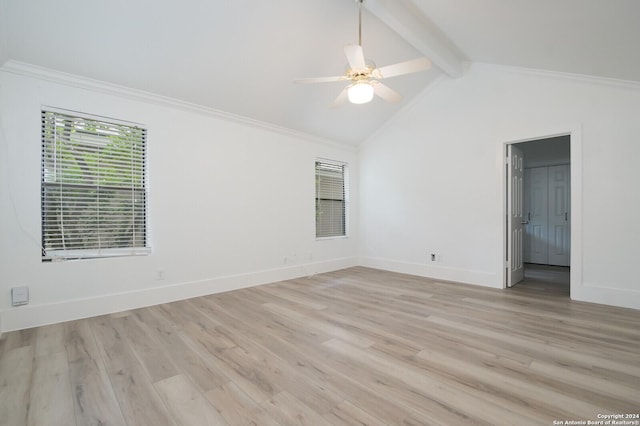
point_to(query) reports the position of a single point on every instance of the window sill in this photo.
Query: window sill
(337, 237)
(67, 255)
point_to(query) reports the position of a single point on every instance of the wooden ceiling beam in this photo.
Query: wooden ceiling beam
(410, 23)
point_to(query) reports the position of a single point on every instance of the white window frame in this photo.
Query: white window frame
(52, 251)
(345, 188)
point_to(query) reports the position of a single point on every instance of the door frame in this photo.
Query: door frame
(575, 143)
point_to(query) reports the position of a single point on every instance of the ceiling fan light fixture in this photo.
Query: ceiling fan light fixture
(365, 77)
(360, 93)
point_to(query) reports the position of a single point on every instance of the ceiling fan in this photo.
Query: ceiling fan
(364, 77)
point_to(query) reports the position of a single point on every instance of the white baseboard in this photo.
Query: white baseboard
(606, 296)
(622, 298)
(37, 315)
(444, 273)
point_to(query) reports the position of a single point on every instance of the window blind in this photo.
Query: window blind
(93, 192)
(331, 199)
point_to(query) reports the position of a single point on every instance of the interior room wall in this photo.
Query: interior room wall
(231, 204)
(546, 152)
(432, 178)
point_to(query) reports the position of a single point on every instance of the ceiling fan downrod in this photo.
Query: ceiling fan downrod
(360, 21)
(364, 78)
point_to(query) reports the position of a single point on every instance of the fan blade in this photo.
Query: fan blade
(401, 68)
(321, 79)
(341, 99)
(386, 93)
(354, 55)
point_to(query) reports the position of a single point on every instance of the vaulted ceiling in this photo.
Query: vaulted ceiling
(242, 57)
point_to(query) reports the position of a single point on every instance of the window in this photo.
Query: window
(331, 199)
(94, 191)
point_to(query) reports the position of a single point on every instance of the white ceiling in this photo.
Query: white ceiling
(592, 37)
(241, 57)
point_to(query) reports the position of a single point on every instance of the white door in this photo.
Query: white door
(515, 225)
(526, 251)
(559, 216)
(537, 215)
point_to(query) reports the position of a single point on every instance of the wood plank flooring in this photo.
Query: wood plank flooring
(352, 347)
(553, 280)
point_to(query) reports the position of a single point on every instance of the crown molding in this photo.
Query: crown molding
(469, 66)
(584, 78)
(79, 82)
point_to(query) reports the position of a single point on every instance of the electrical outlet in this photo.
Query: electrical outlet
(160, 275)
(19, 296)
(434, 256)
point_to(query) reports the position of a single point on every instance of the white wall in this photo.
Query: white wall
(228, 202)
(432, 179)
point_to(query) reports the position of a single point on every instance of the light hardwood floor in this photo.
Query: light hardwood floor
(552, 280)
(353, 347)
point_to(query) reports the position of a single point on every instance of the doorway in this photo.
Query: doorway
(538, 220)
(545, 279)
